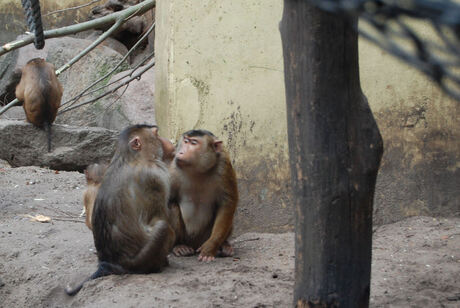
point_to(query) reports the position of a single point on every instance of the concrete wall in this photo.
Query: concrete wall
(220, 67)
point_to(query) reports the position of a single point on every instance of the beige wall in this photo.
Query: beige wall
(220, 67)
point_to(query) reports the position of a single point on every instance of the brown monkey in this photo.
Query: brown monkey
(41, 92)
(130, 222)
(94, 174)
(204, 196)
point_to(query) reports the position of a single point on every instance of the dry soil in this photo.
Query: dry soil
(416, 262)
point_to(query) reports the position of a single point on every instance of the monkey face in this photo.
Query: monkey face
(197, 153)
(189, 148)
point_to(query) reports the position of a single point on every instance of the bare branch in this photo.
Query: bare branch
(148, 57)
(78, 96)
(70, 8)
(11, 104)
(93, 45)
(137, 76)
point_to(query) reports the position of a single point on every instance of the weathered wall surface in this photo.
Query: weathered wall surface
(220, 67)
(420, 171)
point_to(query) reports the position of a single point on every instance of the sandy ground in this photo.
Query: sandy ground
(416, 262)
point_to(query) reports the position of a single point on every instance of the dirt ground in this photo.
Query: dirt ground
(416, 262)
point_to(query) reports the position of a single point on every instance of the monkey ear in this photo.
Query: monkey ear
(218, 146)
(135, 143)
(155, 131)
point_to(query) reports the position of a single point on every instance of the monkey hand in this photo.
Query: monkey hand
(207, 251)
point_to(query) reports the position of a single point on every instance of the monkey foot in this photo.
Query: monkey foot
(204, 258)
(226, 250)
(183, 251)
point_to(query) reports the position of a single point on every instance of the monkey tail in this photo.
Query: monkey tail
(47, 126)
(153, 254)
(103, 269)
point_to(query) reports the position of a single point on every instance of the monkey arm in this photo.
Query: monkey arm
(221, 229)
(176, 221)
(225, 211)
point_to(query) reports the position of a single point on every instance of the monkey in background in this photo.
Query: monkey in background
(41, 93)
(94, 174)
(204, 196)
(130, 223)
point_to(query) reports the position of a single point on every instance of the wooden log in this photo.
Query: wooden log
(335, 149)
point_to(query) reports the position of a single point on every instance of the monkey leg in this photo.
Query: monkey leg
(183, 251)
(153, 255)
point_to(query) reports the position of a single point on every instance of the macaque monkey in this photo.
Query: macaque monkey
(94, 174)
(204, 196)
(41, 93)
(130, 221)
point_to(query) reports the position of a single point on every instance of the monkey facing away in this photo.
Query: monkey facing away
(41, 92)
(204, 196)
(94, 174)
(130, 221)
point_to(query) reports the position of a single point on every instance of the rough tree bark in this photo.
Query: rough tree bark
(335, 149)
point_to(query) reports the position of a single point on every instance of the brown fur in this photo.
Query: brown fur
(129, 220)
(204, 196)
(94, 174)
(41, 93)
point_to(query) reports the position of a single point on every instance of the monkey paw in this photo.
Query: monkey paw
(183, 251)
(226, 250)
(207, 252)
(204, 258)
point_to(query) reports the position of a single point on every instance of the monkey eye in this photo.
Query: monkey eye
(194, 142)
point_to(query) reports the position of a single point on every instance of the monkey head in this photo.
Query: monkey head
(94, 173)
(142, 139)
(198, 151)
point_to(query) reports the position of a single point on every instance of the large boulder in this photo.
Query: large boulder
(72, 148)
(114, 111)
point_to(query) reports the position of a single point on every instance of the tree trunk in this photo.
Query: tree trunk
(335, 149)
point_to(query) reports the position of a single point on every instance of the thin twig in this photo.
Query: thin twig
(58, 210)
(148, 57)
(66, 219)
(93, 45)
(118, 98)
(70, 8)
(247, 240)
(78, 96)
(137, 76)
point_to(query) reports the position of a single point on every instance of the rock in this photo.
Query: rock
(83, 73)
(108, 42)
(114, 111)
(134, 106)
(7, 80)
(4, 164)
(72, 148)
(14, 113)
